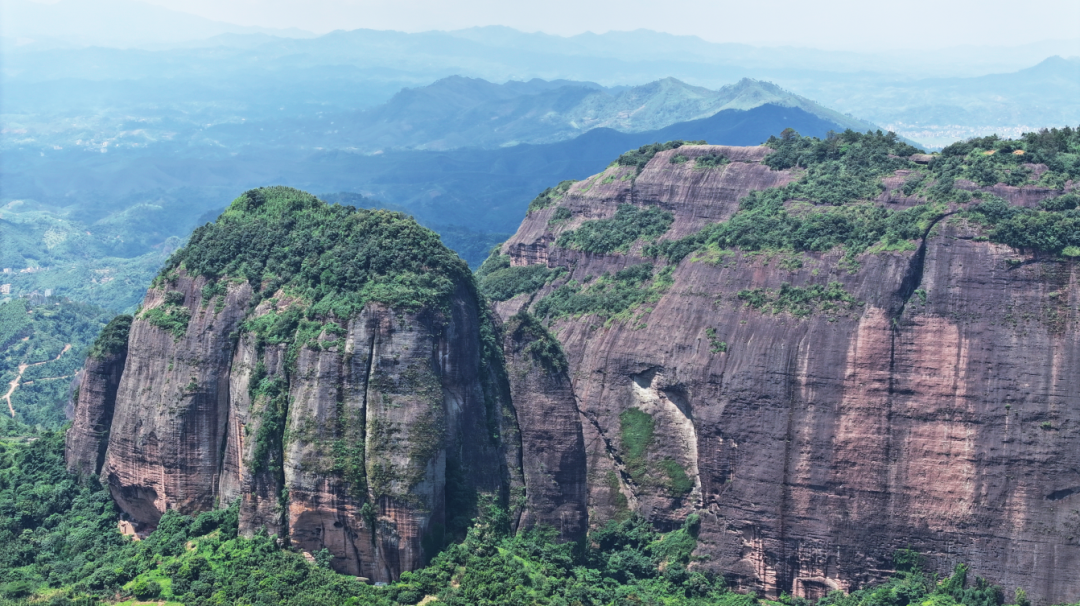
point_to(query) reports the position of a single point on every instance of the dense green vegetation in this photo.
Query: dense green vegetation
(561, 214)
(113, 339)
(630, 224)
(171, 316)
(830, 205)
(764, 222)
(336, 258)
(49, 339)
(711, 161)
(107, 262)
(499, 281)
(639, 157)
(539, 344)
(991, 160)
(1055, 228)
(840, 169)
(609, 296)
(800, 302)
(550, 195)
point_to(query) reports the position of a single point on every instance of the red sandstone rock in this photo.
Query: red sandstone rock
(819, 446)
(373, 419)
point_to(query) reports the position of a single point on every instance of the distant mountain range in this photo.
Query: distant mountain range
(459, 112)
(223, 83)
(102, 220)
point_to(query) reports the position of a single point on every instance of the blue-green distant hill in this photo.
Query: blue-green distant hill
(94, 223)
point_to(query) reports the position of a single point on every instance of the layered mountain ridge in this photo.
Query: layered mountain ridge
(469, 112)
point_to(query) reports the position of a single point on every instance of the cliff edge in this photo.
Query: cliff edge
(826, 350)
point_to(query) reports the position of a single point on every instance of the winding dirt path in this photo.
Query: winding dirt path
(14, 384)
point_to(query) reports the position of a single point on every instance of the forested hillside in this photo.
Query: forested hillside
(63, 548)
(42, 346)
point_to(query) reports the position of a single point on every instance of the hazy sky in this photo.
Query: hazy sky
(847, 24)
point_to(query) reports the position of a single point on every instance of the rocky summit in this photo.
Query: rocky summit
(827, 350)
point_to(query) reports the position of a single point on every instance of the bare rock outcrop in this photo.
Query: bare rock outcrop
(95, 399)
(552, 441)
(940, 412)
(371, 434)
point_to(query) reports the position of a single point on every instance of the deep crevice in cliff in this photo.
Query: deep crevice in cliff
(914, 274)
(368, 513)
(620, 467)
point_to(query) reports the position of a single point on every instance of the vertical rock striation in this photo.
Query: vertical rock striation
(367, 422)
(941, 412)
(88, 437)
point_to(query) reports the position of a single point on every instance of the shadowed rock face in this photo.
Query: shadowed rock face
(940, 414)
(552, 443)
(88, 437)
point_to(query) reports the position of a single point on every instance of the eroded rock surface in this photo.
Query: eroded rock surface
(372, 435)
(88, 437)
(940, 413)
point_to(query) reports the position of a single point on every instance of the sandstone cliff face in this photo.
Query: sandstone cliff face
(371, 420)
(552, 442)
(88, 437)
(329, 417)
(941, 413)
(171, 408)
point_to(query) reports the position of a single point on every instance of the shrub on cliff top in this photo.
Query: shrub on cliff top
(842, 173)
(1054, 231)
(336, 257)
(113, 338)
(639, 157)
(550, 195)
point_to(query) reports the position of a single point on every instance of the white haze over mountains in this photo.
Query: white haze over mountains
(853, 25)
(162, 56)
(123, 123)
